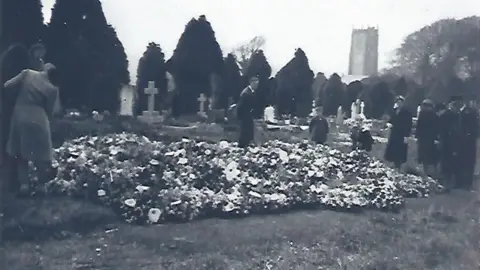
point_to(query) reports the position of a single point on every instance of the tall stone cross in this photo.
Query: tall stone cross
(151, 91)
(202, 99)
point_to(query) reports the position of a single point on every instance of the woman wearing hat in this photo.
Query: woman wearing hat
(453, 143)
(400, 128)
(427, 132)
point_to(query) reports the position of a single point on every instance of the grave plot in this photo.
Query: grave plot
(150, 181)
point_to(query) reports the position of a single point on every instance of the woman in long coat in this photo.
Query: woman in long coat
(13, 61)
(30, 137)
(401, 127)
(427, 134)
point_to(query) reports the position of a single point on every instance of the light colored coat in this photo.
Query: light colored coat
(30, 136)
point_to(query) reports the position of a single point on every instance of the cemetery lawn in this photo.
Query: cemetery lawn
(436, 233)
(440, 232)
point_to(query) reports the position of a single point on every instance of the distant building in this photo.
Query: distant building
(364, 52)
(346, 79)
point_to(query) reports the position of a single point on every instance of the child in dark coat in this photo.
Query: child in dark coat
(361, 138)
(318, 127)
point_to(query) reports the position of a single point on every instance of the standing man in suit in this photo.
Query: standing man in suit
(245, 107)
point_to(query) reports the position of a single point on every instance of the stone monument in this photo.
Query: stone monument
(339, 119)
(354, 110)
(151, 115)
(202, 99)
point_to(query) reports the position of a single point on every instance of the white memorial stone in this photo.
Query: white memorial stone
(339, 119)
(202, 99)
(269, 114)
(354, 111)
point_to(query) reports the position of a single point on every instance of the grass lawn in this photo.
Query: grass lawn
(441, 232)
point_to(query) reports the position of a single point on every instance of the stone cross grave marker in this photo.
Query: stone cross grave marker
(202, 99)
(150, 115)
(362, 109)
(151, 91)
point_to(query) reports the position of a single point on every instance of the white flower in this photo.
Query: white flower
(224, 144)
(154, 215)
(229, 207)
(154, 162)
(182, 161)
(232, 171)
(130, 202)
(141, 188)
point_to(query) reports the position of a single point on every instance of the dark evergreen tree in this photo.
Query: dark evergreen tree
(232, 78)
(294, 92)
(352, 93)
(333, 95)
(317, 88)
(90, 58)
(21, 22)
(380, 101)
(400, 88)
(195, 58)
(151, 67)
(258, 66)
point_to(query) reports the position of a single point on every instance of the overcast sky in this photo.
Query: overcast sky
(322, 28)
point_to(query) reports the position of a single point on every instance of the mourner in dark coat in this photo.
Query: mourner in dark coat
(318, 127)
(451, 135)
(13, 61)
(427, 132)
(30, 137)
(245, 107)
(361, 138)
(401, 127)
(468, 145)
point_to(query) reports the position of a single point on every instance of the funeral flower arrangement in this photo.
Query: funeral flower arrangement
(151, 181)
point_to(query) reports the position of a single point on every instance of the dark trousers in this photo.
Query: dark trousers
(246, 132)
(16, 173)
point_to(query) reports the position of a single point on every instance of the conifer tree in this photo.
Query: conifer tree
(151, 67)
(22, 23)
(258, 66)
(195, 58)
(88, 54)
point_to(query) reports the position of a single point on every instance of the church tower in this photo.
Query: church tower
(364, 52)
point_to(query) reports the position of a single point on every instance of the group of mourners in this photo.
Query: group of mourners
(446, 139)
(446, 135)
(29, 91)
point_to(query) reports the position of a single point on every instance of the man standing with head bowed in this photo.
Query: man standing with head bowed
(245, 110)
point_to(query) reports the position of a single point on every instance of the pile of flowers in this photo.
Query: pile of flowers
(151, 181)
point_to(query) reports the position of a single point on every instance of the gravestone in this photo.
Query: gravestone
(202, 99)
(151, 115)
(127, 97)
(339, 119)
(269, 114)
(354, 110)
(419, 109)
(362, 109)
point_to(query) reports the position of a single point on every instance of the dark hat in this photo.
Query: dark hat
(428, 102)
(398, 98)
(456, 98)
